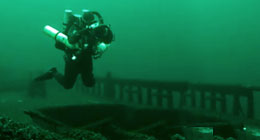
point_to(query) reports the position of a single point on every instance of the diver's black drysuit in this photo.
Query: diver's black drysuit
(83, 62)
(79, 60)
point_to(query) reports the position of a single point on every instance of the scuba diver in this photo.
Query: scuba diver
(90, 38)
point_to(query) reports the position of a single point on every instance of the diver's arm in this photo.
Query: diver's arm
(100, 49)
(74, 38)
(76, 34)
(104, 42)
(73, 34)
(60, 46)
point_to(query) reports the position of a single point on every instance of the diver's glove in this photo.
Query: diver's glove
(100, 49)
(60, 45)
(85, 31)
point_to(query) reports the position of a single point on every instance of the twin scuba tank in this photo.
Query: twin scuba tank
(68, 20)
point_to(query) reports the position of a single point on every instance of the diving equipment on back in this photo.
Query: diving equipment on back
(89, 22)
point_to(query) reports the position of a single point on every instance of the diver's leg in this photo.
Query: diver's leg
(46, 76)
(87, 72)
(88, 79)
(70, 75)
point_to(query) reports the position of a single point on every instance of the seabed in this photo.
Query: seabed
(23, 117)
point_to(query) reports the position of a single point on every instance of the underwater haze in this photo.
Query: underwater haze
(208, 41)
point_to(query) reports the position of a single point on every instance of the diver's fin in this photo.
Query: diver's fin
(46, 76)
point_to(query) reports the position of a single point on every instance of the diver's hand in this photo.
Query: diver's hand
(73, 49)
(96, 56)
(84, 31)
(60, 46)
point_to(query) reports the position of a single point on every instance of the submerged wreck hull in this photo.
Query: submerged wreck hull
(122, 121)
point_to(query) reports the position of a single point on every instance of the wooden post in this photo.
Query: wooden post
(193, 98)
(93, 90)
(109, 87)
(130, 94)
(202, 99)
(140, 95)
(149, 96)
(98, 89)
(159, 98)
(183, 99)
(121, 92)
(82, 88)
(251, 108)
(169, 99)
(213, 101)
(223, 103)
(236, 105)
